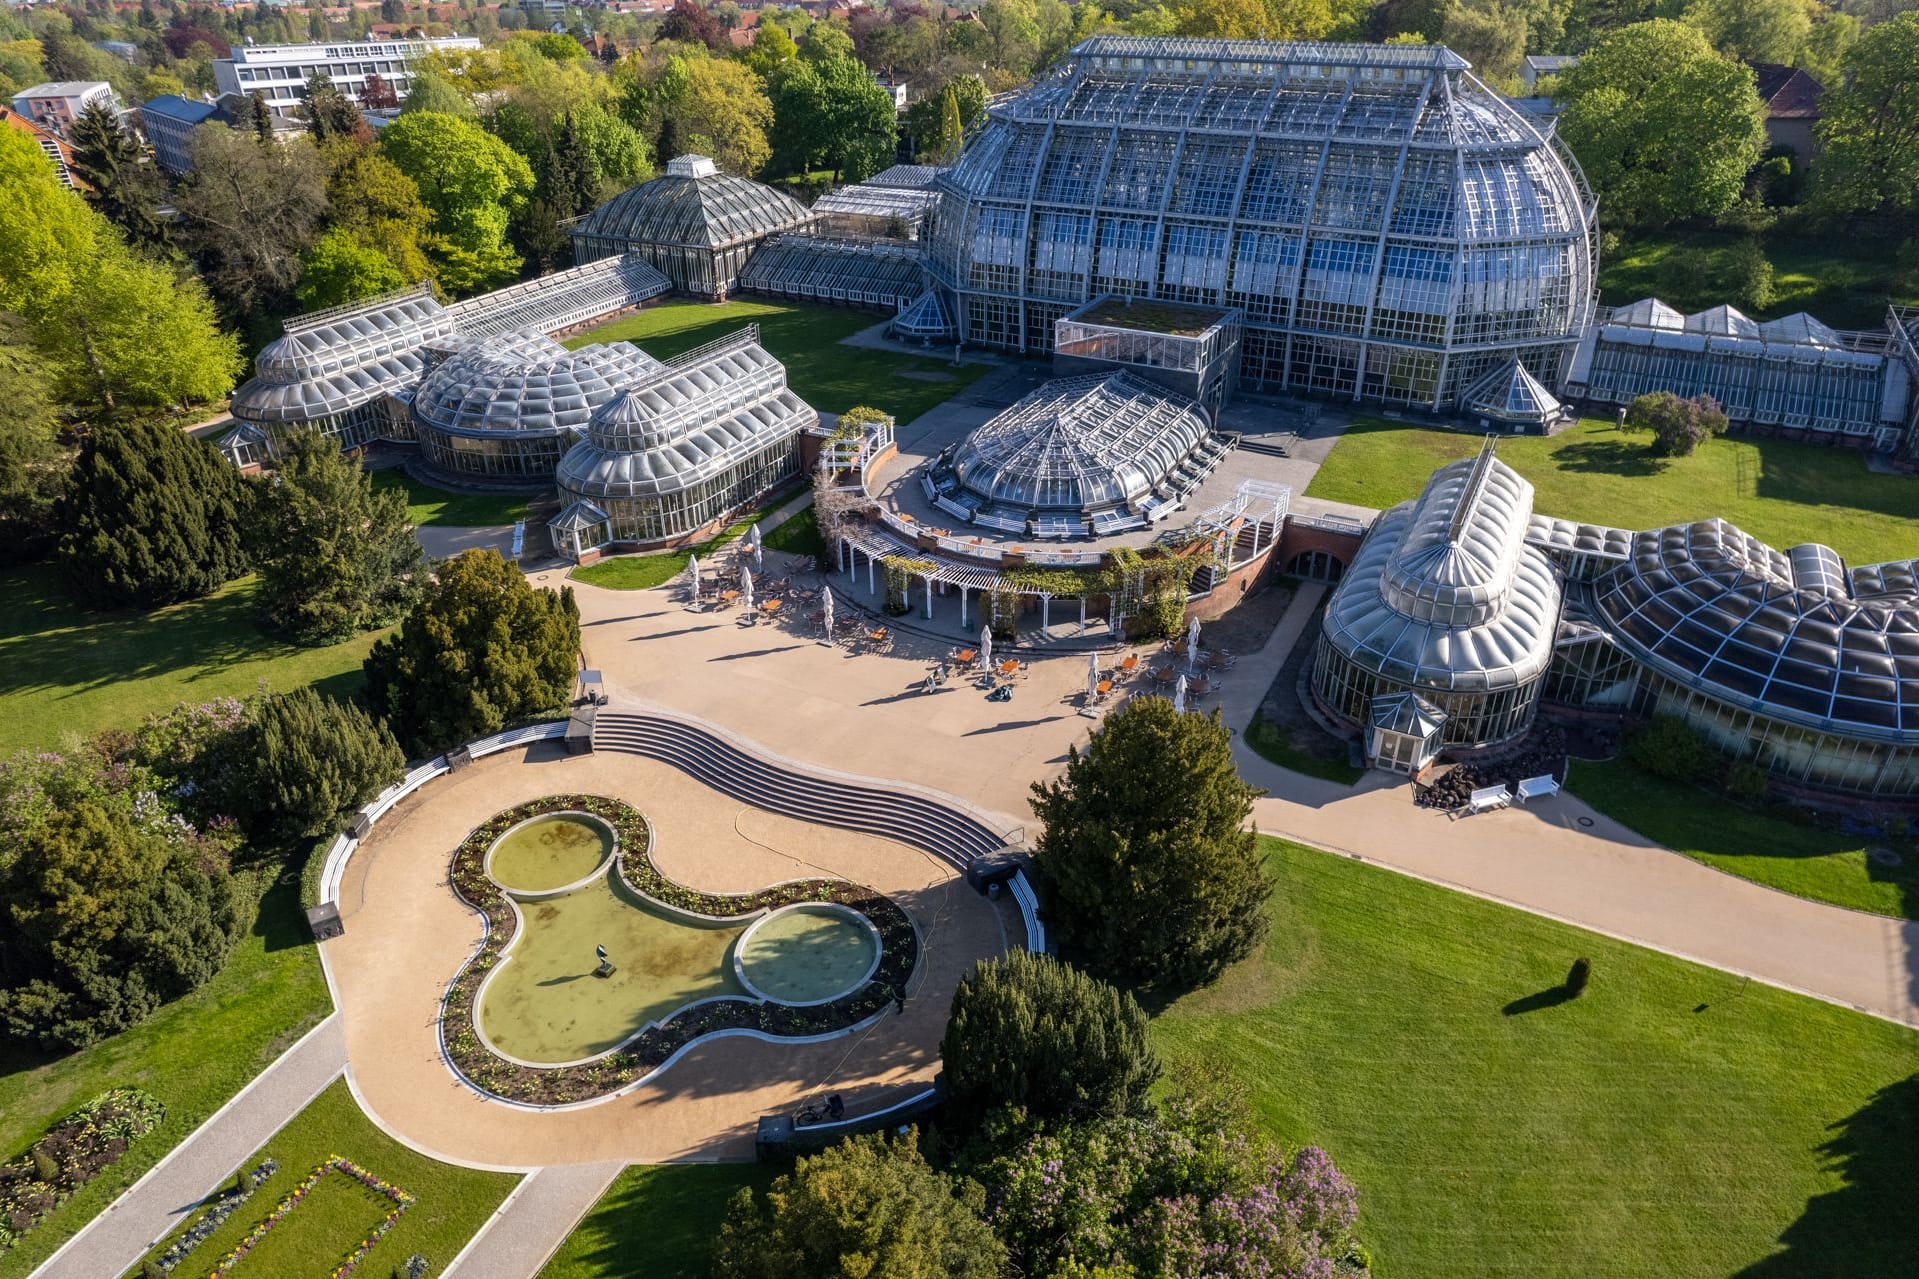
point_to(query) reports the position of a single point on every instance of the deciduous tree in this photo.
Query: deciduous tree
(482, 649)
(33, 466)
(1665, 127)
(1869, 130)
(1754, 30)
(380, 207)
(335, 557)
(1033, 1032)
(717, 109)
(472, 181)
(249, 211)
(1678, 426)
(869, 1206)
(1148, 867)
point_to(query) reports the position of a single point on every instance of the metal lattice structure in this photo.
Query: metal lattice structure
(869, 273)
(1390, 226)
(1792, 373)
(560, 301)
(696, 224)
(894, 203)
(507, 406)
(1446, 600)
(687, 444)
(1079, 455)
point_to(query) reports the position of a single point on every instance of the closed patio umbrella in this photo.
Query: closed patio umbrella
(693, 577)
(746, 588)
(753, 546)
(1192, 645)
(1092, 678)
(826, 614)
(986, 648)
(1179, 696)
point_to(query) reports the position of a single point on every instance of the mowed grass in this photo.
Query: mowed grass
(1303, 750)
(1843, 277)
(193, 1055)
(1764, 846)
(450, 1203)
(1675, 1121)
(655, 1223)
(1777, 490)
(64, 670)
(430, 507)
(799, 535)
(806, 339)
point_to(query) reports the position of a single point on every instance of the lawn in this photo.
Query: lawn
(797, 536)
(655, 1223)
(63, 670)
(1766, 847)
(1783, 492)
(450, 1204)
(193, 1055)
(1303, 750)
(1675, 1121)
(1839, 276)
(830, 377)
(427, 506)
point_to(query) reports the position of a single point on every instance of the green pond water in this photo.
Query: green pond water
(548, 853)
(808, 954)
(545, 1004)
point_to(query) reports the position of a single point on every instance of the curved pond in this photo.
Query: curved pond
(808, 954)
(549, 852)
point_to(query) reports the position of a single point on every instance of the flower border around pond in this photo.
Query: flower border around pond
(658, 1042)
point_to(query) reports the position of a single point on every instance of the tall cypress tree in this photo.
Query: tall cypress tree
(151, 516)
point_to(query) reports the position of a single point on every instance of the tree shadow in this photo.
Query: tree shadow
(1868, 1226)
(1628, 457)
(1551, 997)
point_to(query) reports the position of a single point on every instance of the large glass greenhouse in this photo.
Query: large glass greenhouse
(694, 223)
(506, 407)
(1391, 228)
(684, 446)
(1448, 604)
(1079, 456)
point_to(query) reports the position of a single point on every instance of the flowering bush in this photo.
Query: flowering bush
(1177, 1193)
(213, 1218)
(400, 1199)
(557, 1085)
(75, 1151)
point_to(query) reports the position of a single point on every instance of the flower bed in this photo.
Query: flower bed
(647, 1051)
(72, 1153)
(400, 1199)
(213, 1218)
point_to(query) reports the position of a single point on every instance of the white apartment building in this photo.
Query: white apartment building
(280, 71)
(57, 105)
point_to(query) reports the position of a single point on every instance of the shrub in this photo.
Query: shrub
(868, 1207)
(482, 649)
(1671, 748)
(1030, 1031)
(309, 761)
(1746, 276)
(1678, 425)
(1147, 863)
(1748, 782)
(1579, 976)
(150, 516)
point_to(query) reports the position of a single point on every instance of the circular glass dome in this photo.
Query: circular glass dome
(525, 382)
(695, 205)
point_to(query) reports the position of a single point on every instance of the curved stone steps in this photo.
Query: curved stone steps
(955, 837)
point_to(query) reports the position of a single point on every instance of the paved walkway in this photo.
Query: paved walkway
(1561, 858)
(113, 1241)
(861, 714)
(535, 1219)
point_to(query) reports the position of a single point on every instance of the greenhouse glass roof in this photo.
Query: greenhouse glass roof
(1714, 608)
(1081, 444)
(525, 383)
(694, 205)
(1444, 593)
(331, 362)
(1512, 394)
(686, 422)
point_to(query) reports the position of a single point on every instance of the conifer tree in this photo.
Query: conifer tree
(1150, 871)
(335, 557)
(150, 516)
(309, 761)
(123, 187)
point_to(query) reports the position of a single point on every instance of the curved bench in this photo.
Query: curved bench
(953, 836)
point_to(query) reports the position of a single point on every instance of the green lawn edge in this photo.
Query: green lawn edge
(798, 535)
(431, 507)
(1674, 1121)
(1276, 744)
(1767, 847)
(194, 1055)
(1780, 491)
(450, 1203)
(655, 1222)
